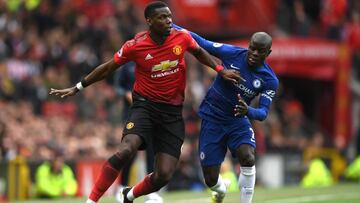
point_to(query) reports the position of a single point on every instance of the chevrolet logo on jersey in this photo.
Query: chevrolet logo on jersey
(165, 65)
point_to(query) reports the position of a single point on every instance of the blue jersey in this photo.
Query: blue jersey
(220, 100)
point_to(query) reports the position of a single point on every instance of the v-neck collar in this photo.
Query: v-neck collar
(155, 43)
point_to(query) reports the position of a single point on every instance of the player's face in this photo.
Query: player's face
(257, 53)
(161, 20)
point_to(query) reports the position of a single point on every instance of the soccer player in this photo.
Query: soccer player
(158, 96)
(226, 113)
(124, 82)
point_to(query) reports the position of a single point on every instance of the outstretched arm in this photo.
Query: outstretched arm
(97, 74)
(219, 50)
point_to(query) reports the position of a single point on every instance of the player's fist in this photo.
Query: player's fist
(240, 109)
(231, 75)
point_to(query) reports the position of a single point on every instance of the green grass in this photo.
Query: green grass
(344, 193)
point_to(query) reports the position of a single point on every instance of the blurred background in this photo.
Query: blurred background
(313, 122)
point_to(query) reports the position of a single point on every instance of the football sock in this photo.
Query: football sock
(89, 201)
(108, 175)
(143, 188)
(247, 183)
(220, 186)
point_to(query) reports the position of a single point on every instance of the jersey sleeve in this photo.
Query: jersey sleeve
(260, 113)
(192, 44)
(219, 50)
(124, 55)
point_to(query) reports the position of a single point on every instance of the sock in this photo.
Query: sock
(247, 183)
(107, 176)
(143, 188)
(220, 186)
(89, 201)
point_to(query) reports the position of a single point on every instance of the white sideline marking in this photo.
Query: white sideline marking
(311, 198)
(197, 200)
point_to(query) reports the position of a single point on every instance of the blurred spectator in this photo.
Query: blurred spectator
(123, 83)
(55, 179)
(2, 137)
(333, 16)
(297, 17)
(297, 130)
(351, 37)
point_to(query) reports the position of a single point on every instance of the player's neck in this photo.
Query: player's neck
(158, 39)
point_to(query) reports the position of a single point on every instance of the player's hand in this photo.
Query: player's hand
(231, 75)
(63, 93)
(128, 97)
(241, 109)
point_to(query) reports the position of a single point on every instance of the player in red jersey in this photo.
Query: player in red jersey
(158, 95)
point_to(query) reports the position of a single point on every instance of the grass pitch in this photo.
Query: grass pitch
(342, 193)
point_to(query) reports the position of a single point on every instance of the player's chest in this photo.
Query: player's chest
(160, 58)
(252, 85)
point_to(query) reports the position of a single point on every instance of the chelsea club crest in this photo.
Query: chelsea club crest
(256, 83)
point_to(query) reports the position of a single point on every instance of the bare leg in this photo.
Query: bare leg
(111, 169)
(164, 168)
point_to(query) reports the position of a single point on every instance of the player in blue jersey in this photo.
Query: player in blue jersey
(226, 113)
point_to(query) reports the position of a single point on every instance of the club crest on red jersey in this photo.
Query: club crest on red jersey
(177, 49)
(130, 125)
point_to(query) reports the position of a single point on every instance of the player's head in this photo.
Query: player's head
(259, 48)
(158, 17)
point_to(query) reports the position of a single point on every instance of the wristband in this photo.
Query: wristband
(219, 68)
(79, 86)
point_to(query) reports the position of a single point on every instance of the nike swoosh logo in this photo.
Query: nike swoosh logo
(232, 66)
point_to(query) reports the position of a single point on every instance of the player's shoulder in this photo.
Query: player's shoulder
(270, 72)
(180, 32)
(138, 38)
(141, 36)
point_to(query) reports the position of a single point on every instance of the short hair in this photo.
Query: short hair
(150, 8)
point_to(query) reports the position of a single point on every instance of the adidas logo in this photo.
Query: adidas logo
(148, 56)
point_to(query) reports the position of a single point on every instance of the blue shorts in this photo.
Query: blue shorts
(216, 138)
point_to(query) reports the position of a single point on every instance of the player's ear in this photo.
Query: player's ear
(149, 21)
(269, 52)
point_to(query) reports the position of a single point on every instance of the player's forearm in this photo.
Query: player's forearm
(257, 113)
(206, 59)
(100, 72)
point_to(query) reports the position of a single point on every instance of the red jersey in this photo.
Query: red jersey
(160, 72)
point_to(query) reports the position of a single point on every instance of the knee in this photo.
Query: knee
(211, 179)
(247, 159)
(126, 152)
(128, 147)
(162, 176)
